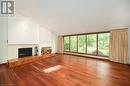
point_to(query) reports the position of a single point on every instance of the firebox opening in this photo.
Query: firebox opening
(24, 52)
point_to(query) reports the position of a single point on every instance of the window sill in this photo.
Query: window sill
(91, 56)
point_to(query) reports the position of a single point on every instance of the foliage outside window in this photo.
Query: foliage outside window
(103, 44)
(82, 43)
(66, 43)
(94, 44)
(73, 43)
(91, 44)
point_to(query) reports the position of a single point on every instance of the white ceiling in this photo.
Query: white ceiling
(76, 16)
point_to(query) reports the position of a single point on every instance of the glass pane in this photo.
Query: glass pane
(66, 43)
(82, 43)
(103, 44)
(92, 44)
(73, 43)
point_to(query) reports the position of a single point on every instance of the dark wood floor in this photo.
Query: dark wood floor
(75, 71)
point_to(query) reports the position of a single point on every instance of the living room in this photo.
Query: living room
(65, 43)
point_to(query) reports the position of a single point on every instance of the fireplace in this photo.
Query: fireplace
(46, 50)
(23, 52)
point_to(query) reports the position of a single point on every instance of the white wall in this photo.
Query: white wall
(13, 49)
(3, 40)
(54, 42)
(44, 36)
(21, 30)
(47, 39)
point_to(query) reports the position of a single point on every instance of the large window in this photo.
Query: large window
(103, 44)
(94, 44)
(73, 43)
(66, 43)
(82, 43)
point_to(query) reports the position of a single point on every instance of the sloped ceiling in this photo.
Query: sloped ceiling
(76, 16)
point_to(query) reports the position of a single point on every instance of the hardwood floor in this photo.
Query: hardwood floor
(74, 71)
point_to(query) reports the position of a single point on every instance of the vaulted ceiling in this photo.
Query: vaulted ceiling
(76, 16)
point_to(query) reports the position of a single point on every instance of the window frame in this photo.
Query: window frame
(86, 43)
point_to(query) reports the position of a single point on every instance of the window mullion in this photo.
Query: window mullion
(97, 44)
(86, 43)
(69, 43)
(77, 43)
